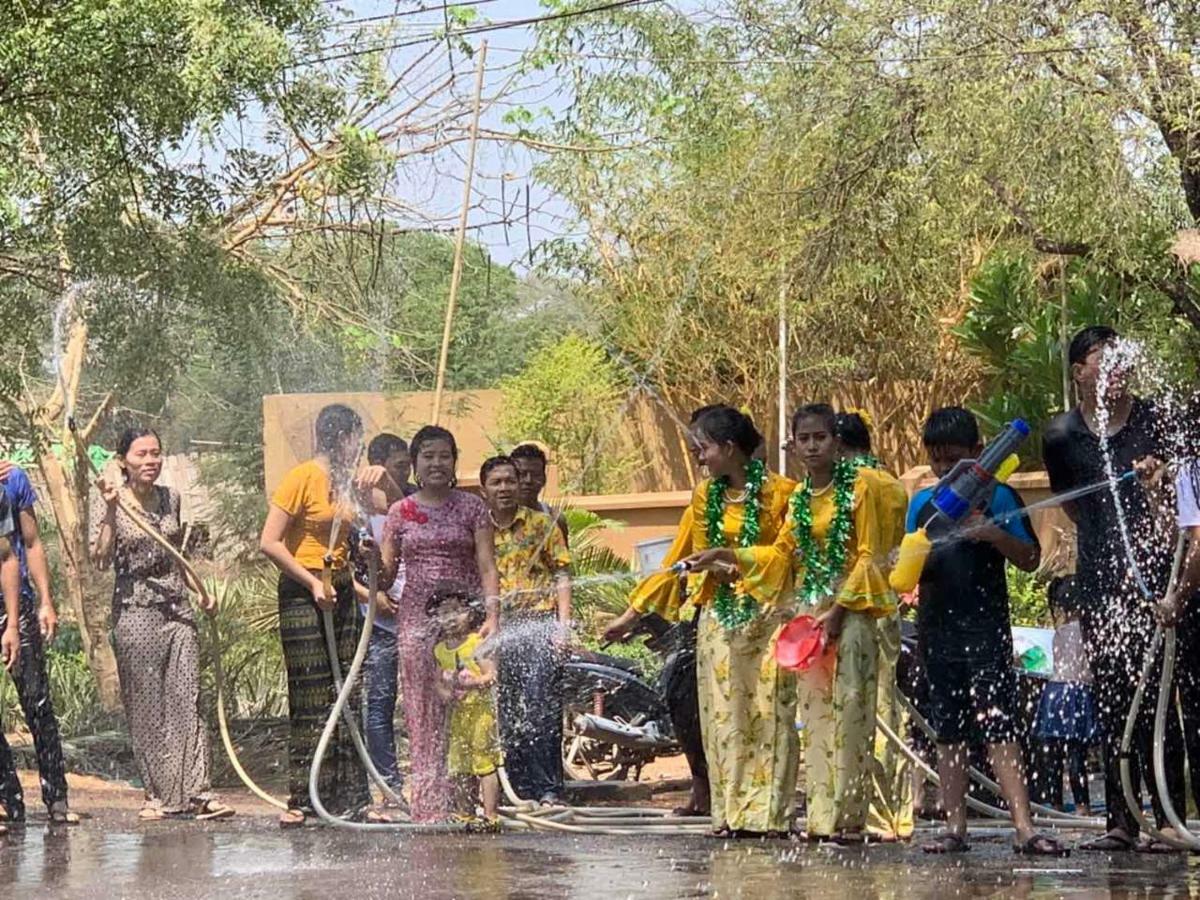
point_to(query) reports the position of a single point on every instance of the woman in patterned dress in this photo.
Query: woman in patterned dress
(444, 537)
(154, 635)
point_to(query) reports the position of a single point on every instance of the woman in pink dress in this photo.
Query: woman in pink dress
(443, 536)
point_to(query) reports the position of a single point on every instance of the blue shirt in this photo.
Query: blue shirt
(1004, 505)
(21, 496)
(963, 609)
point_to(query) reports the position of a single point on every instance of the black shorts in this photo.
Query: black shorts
(972, 700)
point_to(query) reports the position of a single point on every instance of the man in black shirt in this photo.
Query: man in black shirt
(1118, 622)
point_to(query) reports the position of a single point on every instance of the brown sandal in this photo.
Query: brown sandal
(292, 818)
(61, 815)
(213, 809)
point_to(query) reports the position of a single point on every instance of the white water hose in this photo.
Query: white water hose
(1165, 708)
(336, 713)
(1048, 813)
(1186, 840)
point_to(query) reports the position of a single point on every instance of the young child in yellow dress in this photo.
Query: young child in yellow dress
(467, 687)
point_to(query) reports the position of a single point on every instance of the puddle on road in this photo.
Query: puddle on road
(251, 860)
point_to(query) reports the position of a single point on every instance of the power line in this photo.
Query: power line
(839, 60)
(408, 12)
(475, 29)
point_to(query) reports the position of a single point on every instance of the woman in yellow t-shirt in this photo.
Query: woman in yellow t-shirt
(307, 532)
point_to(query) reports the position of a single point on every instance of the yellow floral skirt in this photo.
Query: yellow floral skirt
(891, 815)
(838, 712)
(748, 721)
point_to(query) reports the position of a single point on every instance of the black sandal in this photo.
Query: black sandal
(946, 842)
(1041, 845)
(1111, 842)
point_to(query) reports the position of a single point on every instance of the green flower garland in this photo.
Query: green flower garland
(730, 609)
(822, 566)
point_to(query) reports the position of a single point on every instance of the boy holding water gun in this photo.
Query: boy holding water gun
(965, 637)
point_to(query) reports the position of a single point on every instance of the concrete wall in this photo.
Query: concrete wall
(643, 437)
(289, 420)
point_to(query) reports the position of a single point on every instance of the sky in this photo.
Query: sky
(503, 171)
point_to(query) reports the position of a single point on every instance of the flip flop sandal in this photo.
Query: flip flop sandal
(151, 814)
(803, 836)
(374, 817)
(945, 843)
(723, 832)
(1108, 843)
(64, 816)
(1041, 845)
(1155, 847)
(213, 809)
(292, 818)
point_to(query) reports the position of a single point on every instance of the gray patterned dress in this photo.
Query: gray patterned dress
(158, 656)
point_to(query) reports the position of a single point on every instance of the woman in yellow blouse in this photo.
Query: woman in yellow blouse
(747, 703)
(831, 556)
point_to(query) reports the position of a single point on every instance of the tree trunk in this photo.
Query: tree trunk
(67, 485)
(89, 602)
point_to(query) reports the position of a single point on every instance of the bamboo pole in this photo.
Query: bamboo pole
(460, 240)
(783, 336)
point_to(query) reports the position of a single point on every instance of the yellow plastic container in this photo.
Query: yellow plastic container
(914, 550)
(1007, 468)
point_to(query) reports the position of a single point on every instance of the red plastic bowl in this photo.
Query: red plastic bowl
(800, 643)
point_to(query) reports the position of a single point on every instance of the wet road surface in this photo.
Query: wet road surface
(112, 856)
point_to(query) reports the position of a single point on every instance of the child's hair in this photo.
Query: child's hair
(852, 431)
(1060, 595)
(951, 426)
(446, 592)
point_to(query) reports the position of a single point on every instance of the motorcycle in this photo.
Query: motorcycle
(616, 719)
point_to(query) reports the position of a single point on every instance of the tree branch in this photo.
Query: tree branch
(1025, 223)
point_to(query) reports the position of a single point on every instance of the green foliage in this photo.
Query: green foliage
(247, 630)
(567, 397)
(865, 163)
(1027, 602)
(72, 690)
(1019, 322)
(602, 585)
